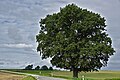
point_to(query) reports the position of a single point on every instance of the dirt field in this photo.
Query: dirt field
(8, 76)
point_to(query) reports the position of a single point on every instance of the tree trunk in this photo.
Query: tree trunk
(75, 72)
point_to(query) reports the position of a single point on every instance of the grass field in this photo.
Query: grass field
(29, 78)
(101, 75)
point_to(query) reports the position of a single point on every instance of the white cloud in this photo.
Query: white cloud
(18, 45)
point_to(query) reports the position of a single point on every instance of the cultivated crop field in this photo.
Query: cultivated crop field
(8, 76)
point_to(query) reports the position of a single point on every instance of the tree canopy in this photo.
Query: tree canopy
(50, 68)
(37, 67)
(75, 39)
(29, 67)
(44, 67)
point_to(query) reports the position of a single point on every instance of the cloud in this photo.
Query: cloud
(18, 45)
(14, 33)
(1, 63)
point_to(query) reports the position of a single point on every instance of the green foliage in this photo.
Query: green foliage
(29, 67)
(37, 67)
(50, 68)
(75, 39)
(29, 78)
(44, 67)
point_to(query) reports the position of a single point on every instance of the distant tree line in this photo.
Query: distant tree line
(44, 67)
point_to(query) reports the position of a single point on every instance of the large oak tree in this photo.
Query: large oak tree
(75, 39)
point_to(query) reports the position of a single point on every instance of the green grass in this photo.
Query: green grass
(38, 72)
(101, 75)
(29, 78)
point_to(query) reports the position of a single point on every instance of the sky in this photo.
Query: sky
(19, 24)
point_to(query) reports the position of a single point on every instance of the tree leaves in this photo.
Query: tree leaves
(75, 38)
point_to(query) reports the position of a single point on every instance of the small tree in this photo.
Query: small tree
(29, 67)
(37, 67)
(44, 67)
(75, 39)
(50, 68)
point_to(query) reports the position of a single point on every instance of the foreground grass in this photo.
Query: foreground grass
(29, 78)
(101, 75)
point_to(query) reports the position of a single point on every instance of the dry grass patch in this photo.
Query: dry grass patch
(8, 76)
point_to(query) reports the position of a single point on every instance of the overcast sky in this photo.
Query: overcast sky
(19, 24)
